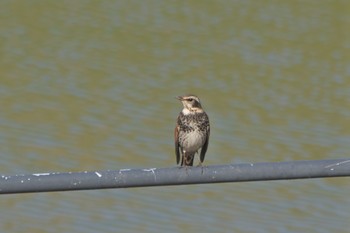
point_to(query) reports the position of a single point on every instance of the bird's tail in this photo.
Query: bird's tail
(187, 160)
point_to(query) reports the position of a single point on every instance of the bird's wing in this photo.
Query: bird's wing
(205, 146)
(177, 149)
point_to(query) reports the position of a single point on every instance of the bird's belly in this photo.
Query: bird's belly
(193, 141)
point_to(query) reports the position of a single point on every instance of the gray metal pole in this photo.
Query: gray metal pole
(125, 178)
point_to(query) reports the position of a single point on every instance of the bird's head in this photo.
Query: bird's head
(191, 104)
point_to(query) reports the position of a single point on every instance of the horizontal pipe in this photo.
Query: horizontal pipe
(126, 178)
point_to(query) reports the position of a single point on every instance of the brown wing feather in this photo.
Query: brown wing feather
(205, 146)
(177, 149)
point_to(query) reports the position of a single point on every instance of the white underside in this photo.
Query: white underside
(193, 142)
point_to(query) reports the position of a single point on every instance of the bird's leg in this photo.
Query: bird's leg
(183, 164)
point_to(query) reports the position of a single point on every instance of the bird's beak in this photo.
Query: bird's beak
(179, 97)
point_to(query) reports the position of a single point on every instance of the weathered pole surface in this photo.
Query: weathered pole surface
(126, 178)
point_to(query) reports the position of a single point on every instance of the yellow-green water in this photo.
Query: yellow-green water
(90, 85)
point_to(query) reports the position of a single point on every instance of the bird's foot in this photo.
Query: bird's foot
(201, 165)
(186, 168)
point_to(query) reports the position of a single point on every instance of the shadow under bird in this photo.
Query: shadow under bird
(192, 131)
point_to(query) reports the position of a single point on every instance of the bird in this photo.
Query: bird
(192, 131)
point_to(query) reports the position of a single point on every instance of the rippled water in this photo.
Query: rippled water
(91, 86)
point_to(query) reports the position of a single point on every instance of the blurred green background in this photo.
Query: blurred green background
(90, 85)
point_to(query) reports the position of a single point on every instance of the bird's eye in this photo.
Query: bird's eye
(190, 99)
